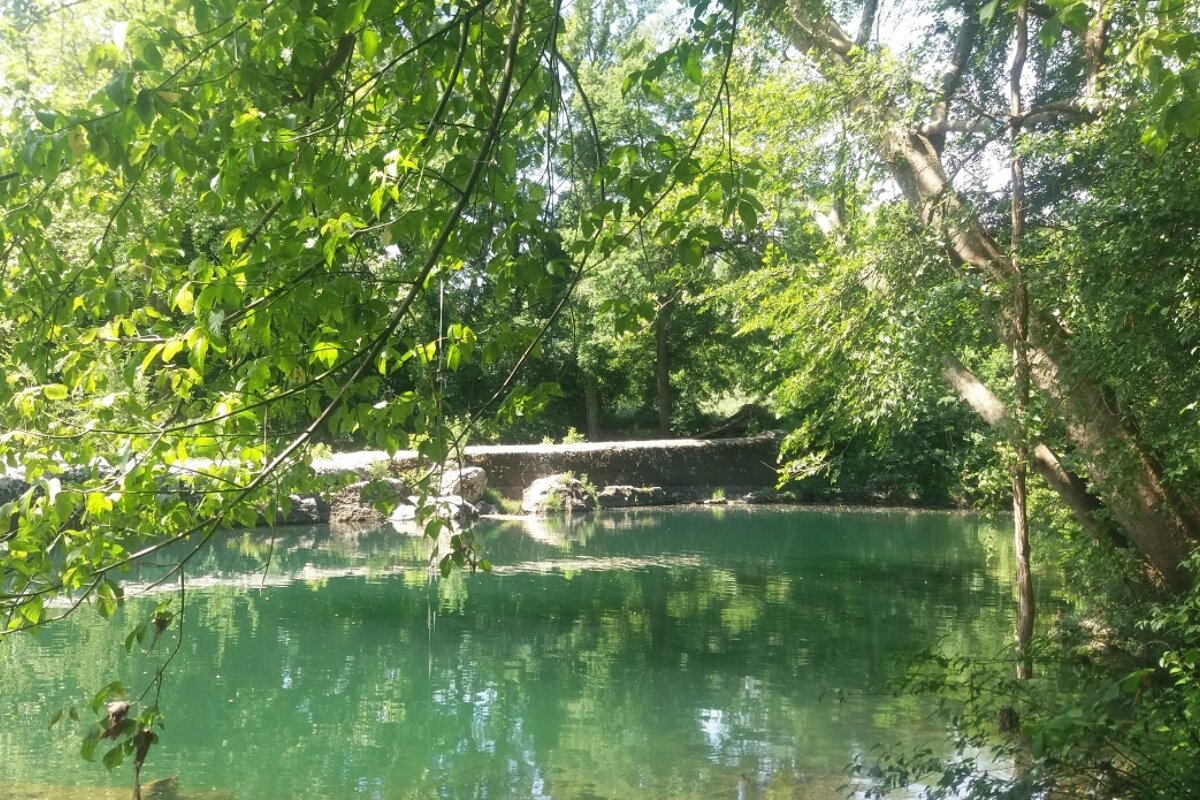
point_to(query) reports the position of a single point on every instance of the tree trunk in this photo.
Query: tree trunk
(591, 406)
(662, 367)
(1123, 474)
(1071, 488)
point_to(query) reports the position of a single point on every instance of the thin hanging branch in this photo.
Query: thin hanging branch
(1020, 355)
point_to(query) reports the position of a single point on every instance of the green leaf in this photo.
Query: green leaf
(988, 11)
(748, 213)
(171, 349)
(114, 757)
(370, 43)
(453, 357)
(689, 252)
(234, 238)
(691, 66)
(55, 391)
(145, 106)
(151, 56)
(32, 611)
(88, 749)
(117, 301)
(118, 89)
(115, 690)
(325, 353)
(184, 299)
(1050, 33)
(98, 503)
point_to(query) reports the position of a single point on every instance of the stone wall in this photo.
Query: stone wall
(670, 463)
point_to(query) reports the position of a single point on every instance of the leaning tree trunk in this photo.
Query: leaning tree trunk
(1071, 488)
(1123, 473)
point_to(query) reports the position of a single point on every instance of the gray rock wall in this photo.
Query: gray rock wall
(673, 463)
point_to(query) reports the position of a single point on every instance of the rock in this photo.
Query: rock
(11, 488)
(450, 507)
(161, 789)
(748, 419)
(356, 502)
(306, 510)
(486, 509)
(468, 483)
(627, 496)
(453, 506)
(760, 496)
(404, 512)
(556, 494)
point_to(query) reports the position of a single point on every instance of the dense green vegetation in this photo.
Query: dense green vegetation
(941, 241)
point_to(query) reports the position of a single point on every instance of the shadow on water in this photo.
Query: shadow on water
(633, 655)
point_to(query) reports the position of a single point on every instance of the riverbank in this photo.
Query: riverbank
(371, 486)
(546, 479)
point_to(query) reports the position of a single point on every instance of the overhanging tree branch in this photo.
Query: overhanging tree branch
(1122, 470)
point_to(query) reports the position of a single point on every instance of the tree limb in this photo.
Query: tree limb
(983, 123)
(1094, 40)
(952, 77)
(867, 23)
(1069, 486)
(341, 53)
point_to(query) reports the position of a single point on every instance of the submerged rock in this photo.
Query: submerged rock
(761, 496)
(161, 789)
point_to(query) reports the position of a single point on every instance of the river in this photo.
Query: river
(737, 653)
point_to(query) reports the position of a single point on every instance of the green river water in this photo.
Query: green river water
(730, 653)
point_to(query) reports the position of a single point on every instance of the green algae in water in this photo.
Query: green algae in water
(643, 655)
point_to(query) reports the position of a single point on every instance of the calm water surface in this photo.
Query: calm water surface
(737, 653)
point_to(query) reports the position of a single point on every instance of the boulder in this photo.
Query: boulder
(628, 496)
(761, 496)
(305, 510)
(555, 494)
(356, 502)
(404, 512)
(450, 507)
(468, 483)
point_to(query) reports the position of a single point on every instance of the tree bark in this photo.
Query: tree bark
(1122, 473)
(662, 367)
